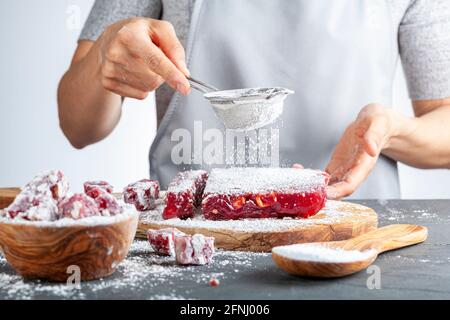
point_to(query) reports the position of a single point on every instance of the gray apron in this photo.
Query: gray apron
(338, 56)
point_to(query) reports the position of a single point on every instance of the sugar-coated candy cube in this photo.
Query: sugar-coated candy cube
(95, 188)
(142, 194)
(162, 240)
(51, 183)
(32, 207)
(78, 206)
(108, 204)
(194, 250)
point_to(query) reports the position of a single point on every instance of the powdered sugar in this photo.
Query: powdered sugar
(186, 180)
(320, 253)
(128, 212)
(142, 194)
(333, 212)
(194, 250)
(263, 180)
(38, 199)
(51, 183)
(143, 275)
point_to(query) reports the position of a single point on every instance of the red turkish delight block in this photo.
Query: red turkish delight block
(32, 207)
(142, 194)
(108, 204)
(162, 240)
(50, 183)
(94, 188)
(194, 250)
(239, 193)
(184, 194)
(78, 206)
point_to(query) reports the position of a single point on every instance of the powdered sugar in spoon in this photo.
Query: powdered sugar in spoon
(341, 258)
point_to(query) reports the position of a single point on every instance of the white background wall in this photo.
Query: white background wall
(36, 45)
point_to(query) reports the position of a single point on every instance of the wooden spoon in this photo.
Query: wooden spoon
(371, 244)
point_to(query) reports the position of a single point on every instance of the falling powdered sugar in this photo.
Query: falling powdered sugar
(320, 253)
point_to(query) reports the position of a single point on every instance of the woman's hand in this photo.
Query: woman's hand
(138, 55)
(359, 148)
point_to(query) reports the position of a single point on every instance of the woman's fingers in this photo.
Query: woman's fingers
(164, 36)
(353, 178)
(297, 166)
(132, 48)
(123, 89)
(377, 123)
(356, 153)
(375, 136)
(158, 62)
(142, 47)
(144, 80)
(339, 190)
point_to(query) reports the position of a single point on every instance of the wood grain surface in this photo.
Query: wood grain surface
(7, 196)
(353, 221)
(47, 252)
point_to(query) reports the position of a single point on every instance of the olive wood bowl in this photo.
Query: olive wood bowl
(53, 251)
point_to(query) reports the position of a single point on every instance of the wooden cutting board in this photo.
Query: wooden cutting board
(7, 196)
(337, 221)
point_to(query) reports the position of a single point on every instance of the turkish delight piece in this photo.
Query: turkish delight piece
(194, 250)
(32, 207)
(37, 200)
(107, 204)
(78, 206)
(162, 240)
(184, 194)
(142, 194)
(50, 183)
(94, 188)
(238, 193)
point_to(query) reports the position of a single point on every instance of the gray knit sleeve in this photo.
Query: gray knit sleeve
(424, 40)
(107, 12)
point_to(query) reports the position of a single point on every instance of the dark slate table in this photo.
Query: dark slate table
(417, 272)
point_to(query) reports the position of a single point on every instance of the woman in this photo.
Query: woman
(339, 57)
